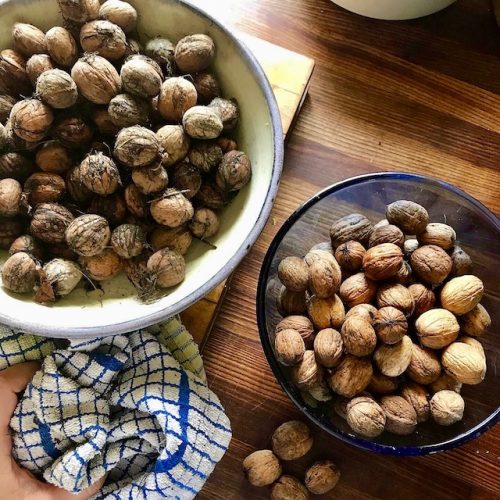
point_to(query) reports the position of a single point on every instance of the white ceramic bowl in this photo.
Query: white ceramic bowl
(91, 314)
(394, 9)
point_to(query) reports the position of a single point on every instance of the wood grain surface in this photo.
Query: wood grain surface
(421, 96)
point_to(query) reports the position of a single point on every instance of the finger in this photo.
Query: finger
(17, 377)
(54, 493)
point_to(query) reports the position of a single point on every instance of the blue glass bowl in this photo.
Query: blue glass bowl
(478, 232)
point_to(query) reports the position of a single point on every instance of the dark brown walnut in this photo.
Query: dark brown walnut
(387, 234)
(401, 418)
(104, 123)
(382, 384)
(307, 373)
(126, 110)
(289, 302)
(177, 96)
(104, 38)
(168, 268)
(461, 262)
(136, 146)
(423, 298)
(178, 238)
(292, 440)
(6, 104)
(206, 156)
(365, 417)
(38, 64)
(365, 311)
(228, 112)
(350, 255)
(28, 39)
(262, 468)
(174, 142)
(15, 166)
(293, 272)
(172, 209)
(43, 187)
(211, 196)
(50, 221)
(358, 336)
(409, 216)
(76, 188)
(324, 278)
(438, 234)
(31, 119)
(301, 324)
(357, 289)
(437, 328)
(102, 266)
(29, 245)
(353, 227)
(19, 273)
(88, 235)
(10, 229)
(383, 261)
(326, 313)
(431, 264)
(54, 158)
(14, 80)
(397, 296)
(186, 178)
(72, 132)
(393, 360)
(234, 171)
(289, 347)
(390, 325)
(227, 144)
(136, 201)
(194, 53)
(205, 223)
(322, 477)
(351, 376)
(10, 197)
(340, 406)
(476, 321)
(61, 46)
(141, 76)
(150, 179)
(418, 397)
(289, 488)
(424, 367)
(207, 87)
(328, 347)
(100, 174)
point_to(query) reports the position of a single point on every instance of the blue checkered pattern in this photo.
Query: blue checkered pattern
(127, 406)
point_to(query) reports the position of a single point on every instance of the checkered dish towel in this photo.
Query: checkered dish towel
(135, 407)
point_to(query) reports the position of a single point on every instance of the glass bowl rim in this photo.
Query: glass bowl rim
(360, 442)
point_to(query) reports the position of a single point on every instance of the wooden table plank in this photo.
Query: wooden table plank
(421, 96)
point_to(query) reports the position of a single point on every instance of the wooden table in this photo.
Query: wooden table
(421, 96)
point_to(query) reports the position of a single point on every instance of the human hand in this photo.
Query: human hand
(18, 483)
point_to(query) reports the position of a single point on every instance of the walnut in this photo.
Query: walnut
(357, 289)
(19, 273)
(386, 234)
(136, 146)
(340, 406)
(316, 254)
(227, 144)
(365, 417)
(328, 347)
(404, 275)
(126, 110)
(54, 158)
(15, 166)
(411, 217)
(10, 229)
(136, 201)
(6, 104)
(323, 245)
(10, 197)
(141, 76)
(418, 397)
(401, 418)
(128, 240)
(177, 96)
(88, 235)
(462, 294)
(104, 38)
(62, 275)
(292, 440)
(446, 382)
(262, 468)
(424, 367)
(423, 298)
(205, 223)
(81, 11)
(365, 311)
(14, 80)
(168, 268)
(437, 328)
(289, 302)
(351, 376)
(201, 122)
(162, 50)
(397, 296)
(102, 266)
(173, 209)
(301, 324)
(358, 336)
(476, 321)
(100, 174)
(393, 360)
(294, 274)
(120, 13)
(28, 39)
(37, 65)
(211, 196)
(289, 347)
(464, 363)
(381, 223)
(50, 221)
(461, 262)
(29, 245)
(228, 112)
(31, 119)
(326, 313)
(151, 178)
(178, 239)
(431, 263)
(104, 123)
(194, 53)
(72, 132)
(206, 156)
(187, 179)
(438, 234)
(324, 278)
(350, 255)
(307, 373)
(390, 325)
(175, 143)
(382, 261)
(56, 88)
(42, 187)
(207, 87)
(234, 171)
(322, 477)
(318, 392)
(447, 407)
(289, 488)
(410, 246)
(353, 227)
(381, 384)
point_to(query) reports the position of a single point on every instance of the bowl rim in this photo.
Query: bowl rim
(352, 439)
(117, 327)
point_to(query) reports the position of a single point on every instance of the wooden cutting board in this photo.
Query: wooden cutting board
(289, 74)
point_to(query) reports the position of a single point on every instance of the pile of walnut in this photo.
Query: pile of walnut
(112, 156)
(290, 441)
(383, 317)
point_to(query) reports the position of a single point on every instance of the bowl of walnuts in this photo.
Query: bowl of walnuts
(378, 304)
(140, 153)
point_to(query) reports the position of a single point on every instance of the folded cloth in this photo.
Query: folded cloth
(135, 407)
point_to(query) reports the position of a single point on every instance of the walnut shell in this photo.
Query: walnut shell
(461, 262)
(289, 347)
(418, 397)
(10, 197)
(100, 174)
(136, 146)
(292, 440)
(431, 263)
(201, 122)
(322, 477)
(383, 261)
(365, 417)
(14, 79)
(175, 143)
(228, 111)
(63, 276)
(151, 178)
(81, 11)
(15, 166)
(19, 273)
(234, 171)
(358, 336)
(42, 187)
(262, 468)
(316, 254)
(88, 235)
(194, 53)
(168, 267)
(423, 298)
(206, 156)
(446, 382)
(293, 272)
(464, 363)
(326, 313)
(104, 38)
(61, 46)
(177, 96)
(411, 217)
(6, 104)
(397, 296)
(50, 221)
(447, 407)
(10, 229)
(324, 278)
(142, 77)
(460, 295)
(438, 234)
(162, 50)
(126, 110)
(120, 13)
(357, 289)
(353, 227)
(136, 201)
(404, 275)
(102, 266)
(387, 234)
(211, 196)
(476, 321)
(365, 311)
(207, 87)
(289, 302)
(390, 325)
(381, 384)
(400, 416)
(28, 39)
(37, 65)
(205, 223)
(56, 88)
(128, 240)
(54, 158)
(173, 209)
(187, 179)
(393, 360)
(29, 245)
(351, 376)
(424, 367)
(437, 328)
(307, 373)
(350, 255)
(328, 347)
(289, 488)
(31, 119)
(178, 238)
(72, 132)
(301, 324)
